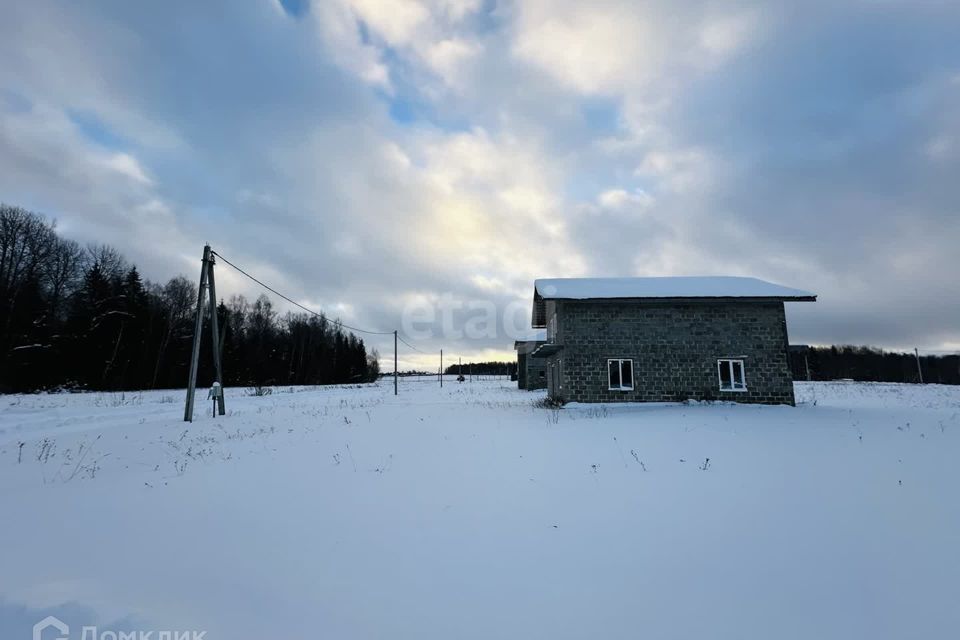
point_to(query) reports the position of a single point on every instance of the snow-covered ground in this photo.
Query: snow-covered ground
(467, 512)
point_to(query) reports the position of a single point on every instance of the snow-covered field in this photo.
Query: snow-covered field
(467, 512)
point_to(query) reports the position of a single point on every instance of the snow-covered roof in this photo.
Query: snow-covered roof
(672, 287)
(534, 335)
(530, 339)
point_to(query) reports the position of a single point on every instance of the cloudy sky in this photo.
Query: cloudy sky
(365, 155)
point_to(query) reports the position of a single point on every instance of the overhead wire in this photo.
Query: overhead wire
(311, 311)
(297, 304)
(409, 345)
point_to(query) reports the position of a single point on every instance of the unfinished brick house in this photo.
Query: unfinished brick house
(665, 339)
(531, 370)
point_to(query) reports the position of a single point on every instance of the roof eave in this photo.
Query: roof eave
(810, 298)
(538, 316)
(546, 350)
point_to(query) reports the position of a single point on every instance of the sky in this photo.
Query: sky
(369, 157)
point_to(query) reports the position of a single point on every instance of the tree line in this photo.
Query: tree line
(83, 318)
(482, 368)
(870, 364)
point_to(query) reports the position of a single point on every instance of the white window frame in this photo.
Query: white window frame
(736, 386)
(610, 386)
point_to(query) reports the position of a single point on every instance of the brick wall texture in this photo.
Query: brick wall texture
(535, 374)
(674, 347)
(531, 372)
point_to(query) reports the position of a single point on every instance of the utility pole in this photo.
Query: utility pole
(215, 329)
(394, 362)
(197, 328)
(806, 362)
(223, 335)
(916, 352)
(441, 368)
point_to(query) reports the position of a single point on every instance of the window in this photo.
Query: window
(620, 375)
(731, 375)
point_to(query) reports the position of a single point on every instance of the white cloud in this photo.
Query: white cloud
(45, 163)
(620, 198)
(622, 47)
(487, 283)
(457, 10)
(446, 57)
(585, 47)
(68, 71)
(426, 31)
(493, 197)
(677, 170)
(126, 165)
(340, 33)
(726, 34)
(398, 22)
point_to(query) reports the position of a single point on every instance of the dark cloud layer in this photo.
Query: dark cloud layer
(364, 158)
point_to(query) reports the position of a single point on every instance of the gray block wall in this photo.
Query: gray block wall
(674, 347)
(536, 373)
(531, 371)
(521, 370)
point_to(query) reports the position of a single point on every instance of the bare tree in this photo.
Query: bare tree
(25, 243)
(177, 297)
(63, 272)
(112, 264)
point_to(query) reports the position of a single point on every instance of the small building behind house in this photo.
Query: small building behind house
(531, 370)
(665, 339)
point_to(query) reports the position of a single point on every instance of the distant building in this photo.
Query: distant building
(665, 339)
(531, 370)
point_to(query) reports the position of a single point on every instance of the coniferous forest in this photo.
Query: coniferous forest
(872, 365)
(482, 368)
(78, 317)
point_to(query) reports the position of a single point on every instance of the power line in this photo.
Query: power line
(300, 306)
(410, 345)
(297, 304)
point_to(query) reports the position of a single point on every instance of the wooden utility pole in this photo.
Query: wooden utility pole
(916, 352)
(197, 328)
(207, 283)
(215, 329)
(441, 368)
(394, 362)
(223, 335)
